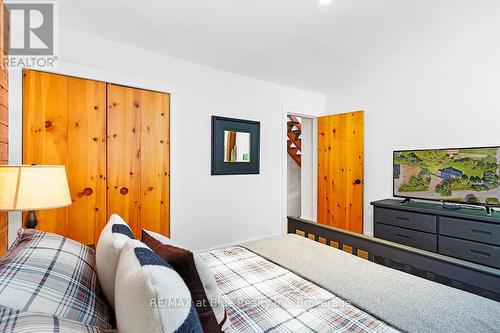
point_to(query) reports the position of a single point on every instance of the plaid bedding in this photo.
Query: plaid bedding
(16, 321)
(50, 274)
(261, 296)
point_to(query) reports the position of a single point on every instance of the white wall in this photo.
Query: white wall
(293, 187)
(309, 179)
(452, 102)
(444, 93)
(206, 211)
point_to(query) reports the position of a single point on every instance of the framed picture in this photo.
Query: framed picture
(235, 146)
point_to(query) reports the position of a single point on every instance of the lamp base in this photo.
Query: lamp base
(31, 220)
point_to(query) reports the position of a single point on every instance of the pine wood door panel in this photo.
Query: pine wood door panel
(138, 158)
(4, 81)
(4, 97)
(64, 123)
(4, 133)
(4, 115)
(45, 133)
(86, 165)
(340, 165)
(356, 166)
(114, 142)
(155, 162)
(124, 154)
(4, 153)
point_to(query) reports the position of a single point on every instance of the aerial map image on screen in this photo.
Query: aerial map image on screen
(470, 175)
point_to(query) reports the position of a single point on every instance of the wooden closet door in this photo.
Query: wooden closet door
(124, 154)
(64, 122)
(138, 158)
(155, 162)
(340, 171)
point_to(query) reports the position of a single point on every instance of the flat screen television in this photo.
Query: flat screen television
(462, 175)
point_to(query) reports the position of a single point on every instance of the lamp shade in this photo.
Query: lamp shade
(34, 187)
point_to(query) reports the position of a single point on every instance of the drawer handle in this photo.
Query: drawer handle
(475, 231)
(403, 236)
(402, 218)
(481, 253)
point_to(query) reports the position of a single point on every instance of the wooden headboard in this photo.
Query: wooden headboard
(477, 279)
(4, 115)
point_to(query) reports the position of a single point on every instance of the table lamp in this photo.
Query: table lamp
(33, 187)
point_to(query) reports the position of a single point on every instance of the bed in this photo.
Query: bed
(403, 301)
(362, 295)
(291, 283)
(261, 296)
(474, 278)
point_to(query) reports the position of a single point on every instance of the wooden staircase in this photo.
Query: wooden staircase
(294, 130)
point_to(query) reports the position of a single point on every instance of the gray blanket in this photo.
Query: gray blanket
(406, 302)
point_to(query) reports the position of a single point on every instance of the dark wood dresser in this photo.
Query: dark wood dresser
(467, 234)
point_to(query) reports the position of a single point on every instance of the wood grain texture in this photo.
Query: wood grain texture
(139, 158)
(4, 97)
(4, 81)
(86, 165)
(124, 154)
(4, 153)
(155, 168)
(114, 142)
(64, 123)
(4, 133)
(340, 163)
(4, 115)
(45, 133)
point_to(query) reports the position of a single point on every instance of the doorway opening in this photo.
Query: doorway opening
(294, 165)
(301, 166)
(325, 169)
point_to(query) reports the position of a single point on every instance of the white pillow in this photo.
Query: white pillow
(150, 295)
(207, 279)
(113, 237)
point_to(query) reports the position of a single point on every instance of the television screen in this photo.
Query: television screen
(464, 175)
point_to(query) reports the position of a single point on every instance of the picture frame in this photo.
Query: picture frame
(233, 160)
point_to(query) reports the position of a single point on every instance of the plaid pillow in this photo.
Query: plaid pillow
(16, 321)
(51, 274)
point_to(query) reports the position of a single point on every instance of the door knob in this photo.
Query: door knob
(357, 182)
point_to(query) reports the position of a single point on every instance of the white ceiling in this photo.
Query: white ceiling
(291, 42)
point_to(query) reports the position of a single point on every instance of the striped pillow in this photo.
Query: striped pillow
(150, 296)
(51, 274)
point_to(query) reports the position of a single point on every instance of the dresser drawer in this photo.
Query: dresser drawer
(412, 238)
(467, 250)
(410, 220)
(471, 230)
